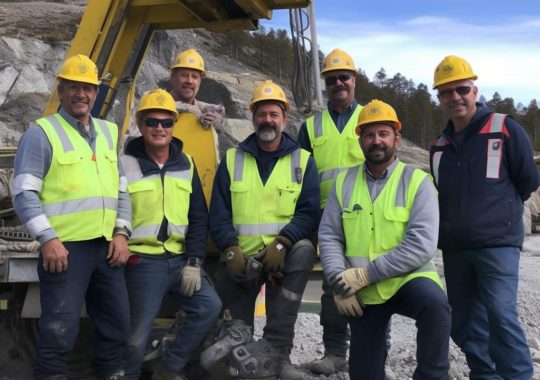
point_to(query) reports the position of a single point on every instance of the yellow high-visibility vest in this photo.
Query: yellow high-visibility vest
(80, 190)
(333, 152)
(260, 211)
(374, 228)
(152, 199)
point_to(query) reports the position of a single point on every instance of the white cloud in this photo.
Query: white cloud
(505, 56)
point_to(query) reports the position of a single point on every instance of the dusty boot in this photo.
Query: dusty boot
(328, 365)
(287, 371)
(162, 373)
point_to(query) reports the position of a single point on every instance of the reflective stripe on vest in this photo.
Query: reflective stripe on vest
(333, 151)
(374, 228)
(260, 211)
(152, 200)
(80, 190)
(495, 125)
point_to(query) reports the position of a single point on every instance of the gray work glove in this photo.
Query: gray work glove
(349, 306)
(274, 254)
(348, 282)
(190, 278)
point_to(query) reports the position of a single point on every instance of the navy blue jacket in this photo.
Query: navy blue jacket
(197, 232)
(306, 216)
(477, 211)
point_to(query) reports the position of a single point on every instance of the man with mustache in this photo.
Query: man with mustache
(329, 136)
(377, 237)
(484, 169)
(69, 191)
(264, 209)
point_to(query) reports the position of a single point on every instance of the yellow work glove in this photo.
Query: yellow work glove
(274, 256)
(349, 306)
(236, 263)
(190, 278)
(350, 281)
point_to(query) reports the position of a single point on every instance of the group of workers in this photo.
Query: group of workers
(120, 232)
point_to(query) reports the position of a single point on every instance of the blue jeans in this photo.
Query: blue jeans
(482, 289)
(148, 280)
(421, 299)
(88, 278)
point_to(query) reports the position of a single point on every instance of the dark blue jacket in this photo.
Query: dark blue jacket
(306, 216)
(197, 232)
(477, 211)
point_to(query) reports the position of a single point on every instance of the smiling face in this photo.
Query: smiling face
(379, 142)
(269, 121)
(77, 98)
(340, 86)
(156, 137)
(458, 100)
(185, 84)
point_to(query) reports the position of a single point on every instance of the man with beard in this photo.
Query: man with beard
(264, 209)
(377, 237)
(329, 135)
(484, 170)
(70, 193)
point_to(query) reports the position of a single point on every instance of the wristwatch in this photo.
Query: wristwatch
(195, 262)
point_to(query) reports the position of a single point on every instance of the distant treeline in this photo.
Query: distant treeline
(271, 51)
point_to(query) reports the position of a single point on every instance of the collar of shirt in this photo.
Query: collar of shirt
(375, 185)
(341, 119)
(79, 126)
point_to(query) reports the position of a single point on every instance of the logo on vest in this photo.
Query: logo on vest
(496, 145)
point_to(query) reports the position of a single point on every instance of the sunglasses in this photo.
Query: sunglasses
(449, 92)
(153, 122)
(329, 81)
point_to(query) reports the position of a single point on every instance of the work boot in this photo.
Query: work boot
(328, 365)
(162, 373)
(118, 375)
(287, 371)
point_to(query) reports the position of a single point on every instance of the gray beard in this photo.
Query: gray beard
(267, 135)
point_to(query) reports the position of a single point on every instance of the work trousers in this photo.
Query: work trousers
(424, 301)
(88, 278)
(482, 290)
(148, 280)
(283, 295)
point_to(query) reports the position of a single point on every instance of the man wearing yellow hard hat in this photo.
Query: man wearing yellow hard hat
(168, 244)
(68, 191)
(484, 169)
(329, 136)
(264, 209)
(377, 237)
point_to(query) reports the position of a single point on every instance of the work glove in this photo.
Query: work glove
(211, 115)
(274, 254)
(350, 281)
(236, 263)
(254, 266)
(349, 306)
(190, 278)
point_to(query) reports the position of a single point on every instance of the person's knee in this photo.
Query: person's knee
(300, 257)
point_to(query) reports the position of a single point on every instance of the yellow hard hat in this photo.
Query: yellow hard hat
(157, 99)
(377, 111)
(268, 90)
(337, 59)
(452, 68)
(79, 68)
(189, 59)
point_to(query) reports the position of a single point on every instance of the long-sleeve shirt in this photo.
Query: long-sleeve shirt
(418, 246)
(32, 162)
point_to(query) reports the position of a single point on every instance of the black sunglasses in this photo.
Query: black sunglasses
(329, 81)
(460, 90)
(153, 122)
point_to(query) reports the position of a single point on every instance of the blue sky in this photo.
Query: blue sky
(500, 39)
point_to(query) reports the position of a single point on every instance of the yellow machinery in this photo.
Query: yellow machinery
(115, 34)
